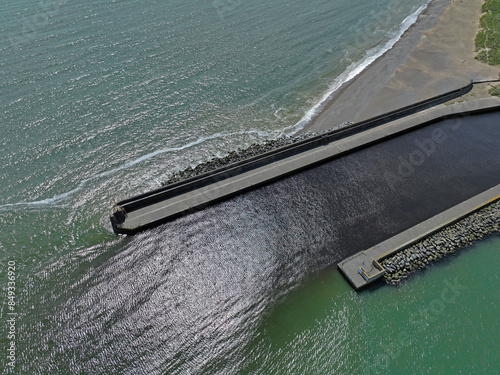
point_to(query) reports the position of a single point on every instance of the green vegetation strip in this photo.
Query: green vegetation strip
(495, 91)
(488, 39)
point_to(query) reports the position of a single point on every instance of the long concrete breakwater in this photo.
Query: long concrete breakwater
(153, 208)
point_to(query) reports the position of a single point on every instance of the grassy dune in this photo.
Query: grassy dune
(488, 39)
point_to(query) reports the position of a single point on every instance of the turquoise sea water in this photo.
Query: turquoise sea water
(444, 320)
(102, 100)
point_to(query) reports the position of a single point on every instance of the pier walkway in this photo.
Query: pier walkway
(153, 208)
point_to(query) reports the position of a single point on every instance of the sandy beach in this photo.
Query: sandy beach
(435, 55)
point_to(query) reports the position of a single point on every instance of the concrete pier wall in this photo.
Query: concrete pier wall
(153, 208)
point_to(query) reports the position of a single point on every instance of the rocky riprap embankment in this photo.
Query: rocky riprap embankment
(242, 154)
(458, 235)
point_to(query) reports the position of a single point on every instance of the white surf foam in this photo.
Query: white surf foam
(356, 68)
(59, 199)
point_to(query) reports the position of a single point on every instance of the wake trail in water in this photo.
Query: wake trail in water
(59, 199)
